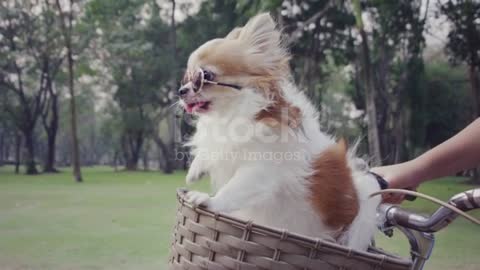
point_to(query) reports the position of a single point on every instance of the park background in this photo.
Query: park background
(90, 134)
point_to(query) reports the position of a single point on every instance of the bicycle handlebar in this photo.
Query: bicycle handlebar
(465, 201)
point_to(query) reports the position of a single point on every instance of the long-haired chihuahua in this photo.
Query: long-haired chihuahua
(258, 138)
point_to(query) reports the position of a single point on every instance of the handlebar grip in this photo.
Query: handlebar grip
(396, 215)
(466, 201)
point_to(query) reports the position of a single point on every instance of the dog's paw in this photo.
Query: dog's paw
(198, 198)
(193, 176)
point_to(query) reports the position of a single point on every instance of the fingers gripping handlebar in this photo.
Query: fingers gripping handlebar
(464, 201)
(419, 229)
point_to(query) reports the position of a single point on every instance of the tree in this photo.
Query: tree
(394, 43)
(318, 33)
(169, 148)
(8, 129)
(66, 23)
(439, 108)
(54, 57)
(398, 45)
(370, 91)
(23, 70)
(463, 46)
(50, 123)
(137, 52)
(33, 60)
(110, 134)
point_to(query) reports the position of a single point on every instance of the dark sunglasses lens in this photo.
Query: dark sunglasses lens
(208, 75)
(198, 80)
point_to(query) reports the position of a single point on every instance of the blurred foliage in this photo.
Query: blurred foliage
(320, 32)
(129, 58)
(463, 44)
(441, 107)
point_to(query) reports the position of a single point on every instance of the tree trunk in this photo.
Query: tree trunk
(73, 118)
(167, 165)
(474, 85)
(132, 143)
(160, 158)
(386, 103)
(115, 160)
(50, 160)
(131, 160)
(67, 32)
(475, 176)
(399, 139)
(373, 139)
(7, 148)
(18, 146)
(30, 165)
(2, 146)
(145, 160)
(131, 164)
(51, 128)
(172, 120)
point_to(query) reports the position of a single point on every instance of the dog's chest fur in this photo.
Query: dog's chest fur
(285, 205)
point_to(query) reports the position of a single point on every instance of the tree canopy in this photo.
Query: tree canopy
(119, 62)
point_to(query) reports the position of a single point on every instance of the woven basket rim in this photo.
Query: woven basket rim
(379, 255)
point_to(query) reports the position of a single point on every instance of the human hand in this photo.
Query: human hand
(403, 176)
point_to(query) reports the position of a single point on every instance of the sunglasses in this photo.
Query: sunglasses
(202, 77)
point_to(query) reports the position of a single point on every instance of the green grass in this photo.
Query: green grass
(123, 220)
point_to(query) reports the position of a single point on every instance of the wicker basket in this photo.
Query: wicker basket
(206, 240)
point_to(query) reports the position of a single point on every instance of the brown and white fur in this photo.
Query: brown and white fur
(263, 148)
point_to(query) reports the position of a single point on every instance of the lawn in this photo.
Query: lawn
(123, 220)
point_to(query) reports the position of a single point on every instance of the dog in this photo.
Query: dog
(258, 138)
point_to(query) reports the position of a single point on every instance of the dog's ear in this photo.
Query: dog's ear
(234, 34)
(343, 145)
(261, 33)
(263, 41)
(280, 112)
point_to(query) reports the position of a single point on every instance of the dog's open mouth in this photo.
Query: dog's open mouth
(197, 106)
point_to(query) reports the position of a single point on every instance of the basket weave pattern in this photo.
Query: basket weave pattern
(206, 240)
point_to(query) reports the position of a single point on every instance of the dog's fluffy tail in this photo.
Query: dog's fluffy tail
(363, 228)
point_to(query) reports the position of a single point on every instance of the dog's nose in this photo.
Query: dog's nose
(182, 91)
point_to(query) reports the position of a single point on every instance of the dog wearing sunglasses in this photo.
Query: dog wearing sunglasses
(258, 138)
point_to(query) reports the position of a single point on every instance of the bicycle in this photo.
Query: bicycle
(420, 229)
(208, 240)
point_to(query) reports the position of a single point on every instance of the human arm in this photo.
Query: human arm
(460, 152)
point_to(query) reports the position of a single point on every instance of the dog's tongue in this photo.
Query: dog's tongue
(192, 107)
